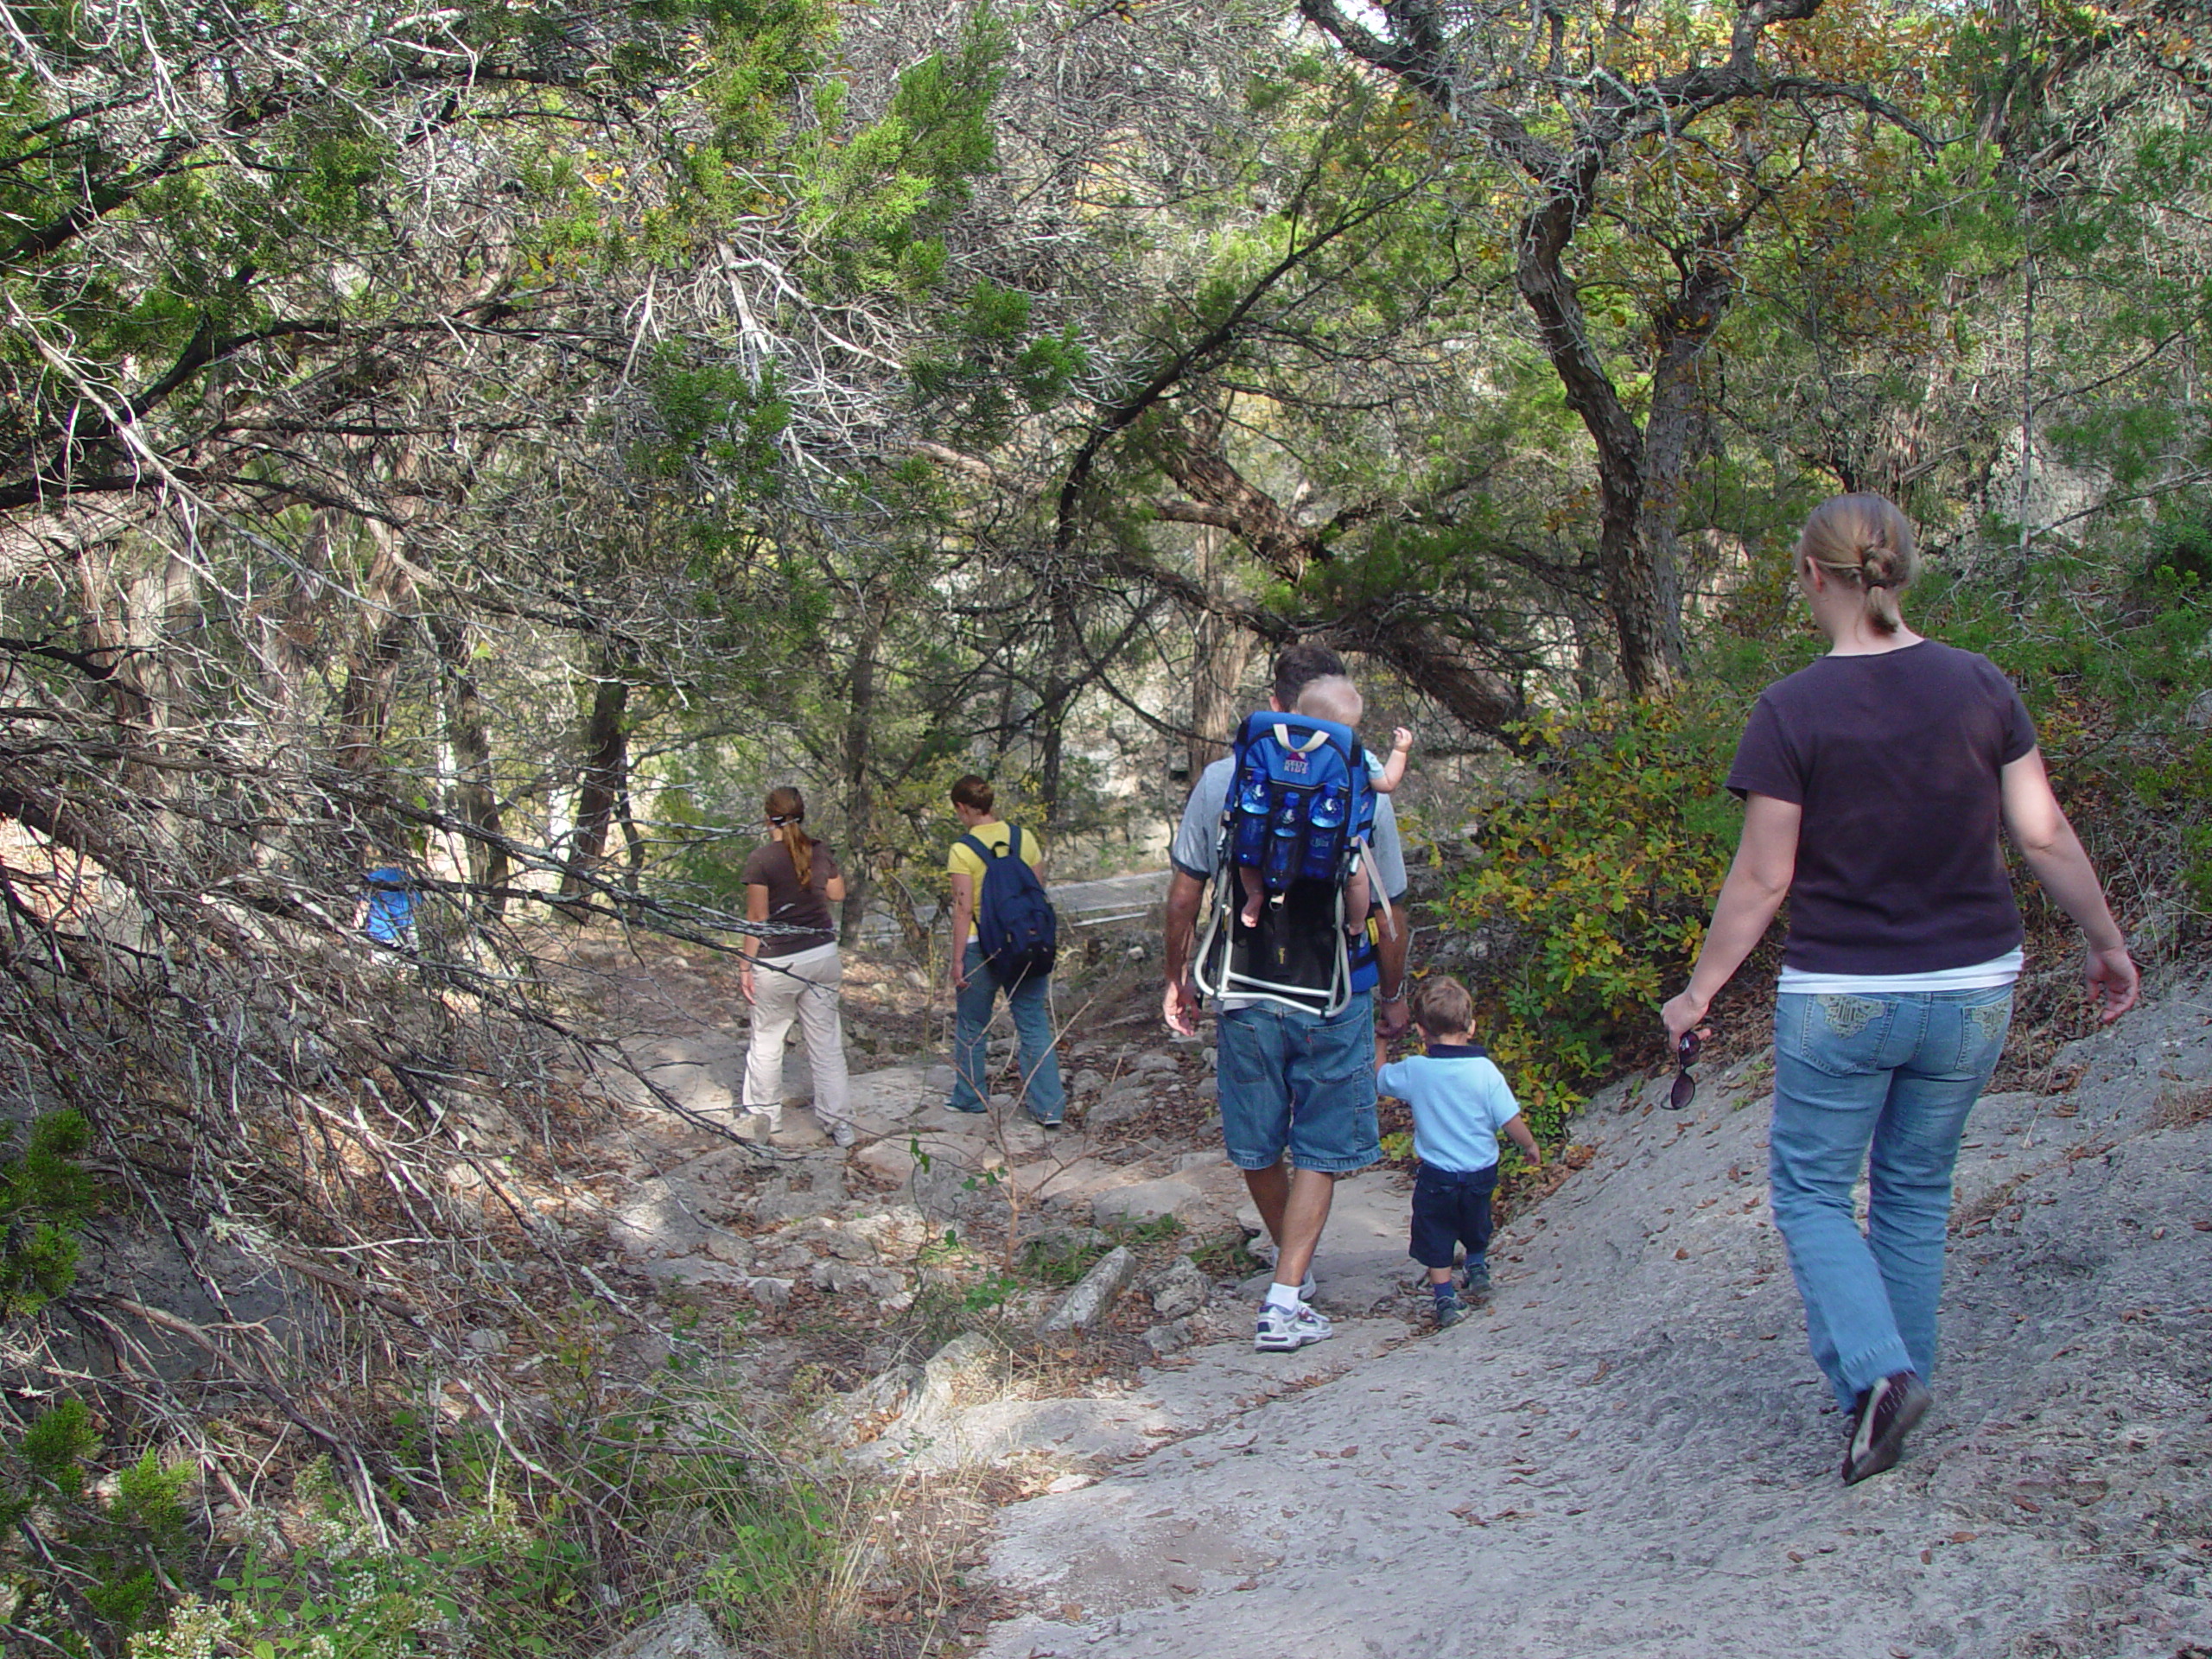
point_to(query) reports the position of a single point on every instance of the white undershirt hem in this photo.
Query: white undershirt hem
(1980, 977)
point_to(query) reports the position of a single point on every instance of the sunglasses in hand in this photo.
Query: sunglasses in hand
(1685, 1089)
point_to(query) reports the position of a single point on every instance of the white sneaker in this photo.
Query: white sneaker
(1283, 1329)
(841, 1134)
(1307, 1287)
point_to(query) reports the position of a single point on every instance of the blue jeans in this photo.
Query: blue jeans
(1042, 1091)
(1881, 1083)
(1300, 1081)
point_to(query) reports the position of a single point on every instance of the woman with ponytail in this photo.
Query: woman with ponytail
(790, 885)
(1874, 782)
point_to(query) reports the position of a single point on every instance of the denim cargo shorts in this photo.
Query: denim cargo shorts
(1299, 1081)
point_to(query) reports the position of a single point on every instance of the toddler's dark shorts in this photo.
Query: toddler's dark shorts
(1451, 1206)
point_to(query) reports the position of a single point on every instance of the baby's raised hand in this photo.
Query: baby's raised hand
(1401, 737)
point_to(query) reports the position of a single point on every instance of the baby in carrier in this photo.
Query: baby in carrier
(1334, 697)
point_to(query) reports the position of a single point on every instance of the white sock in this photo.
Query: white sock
(1282, 1296)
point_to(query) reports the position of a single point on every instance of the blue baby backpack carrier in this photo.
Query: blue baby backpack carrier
(1300, 813)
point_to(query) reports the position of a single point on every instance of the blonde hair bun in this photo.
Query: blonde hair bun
(1865, 540)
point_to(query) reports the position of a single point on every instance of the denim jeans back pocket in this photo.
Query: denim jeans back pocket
(1839, 1034)
(1982, 1026)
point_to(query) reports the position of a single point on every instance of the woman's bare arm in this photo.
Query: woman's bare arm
(964, 914)
(2037, 825)
(756, 910)
(1759, 880)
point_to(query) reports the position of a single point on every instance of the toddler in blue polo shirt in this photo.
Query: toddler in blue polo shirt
(1461, 1105)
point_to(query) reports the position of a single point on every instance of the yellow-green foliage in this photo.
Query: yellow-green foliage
(1596, 884)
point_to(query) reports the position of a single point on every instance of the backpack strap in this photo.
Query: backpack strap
(987, 853)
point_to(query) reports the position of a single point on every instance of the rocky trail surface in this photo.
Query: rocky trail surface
(1630, 1452)
(1627, 1452)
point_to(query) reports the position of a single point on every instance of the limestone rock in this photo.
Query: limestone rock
(1088, 1081)
(683, 1632)
(1169, 1338)
(935, 1185)
(958, 1374)
(661, 1218)
(816, 1185)
(1147, 1201)
(848, 1244)
(898, 1091)
(1180, 1290)
(730, 1249)
(695, 1270)
(1119, 1107)
(887, 1161)
(772, 1293)
(850, 1278)
(1089, 1301)
(896, 1231)
(860, 1415)
(1154, 1063)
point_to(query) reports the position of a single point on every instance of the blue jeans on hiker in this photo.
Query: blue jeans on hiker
(1041, 1094)
(1881, 1084)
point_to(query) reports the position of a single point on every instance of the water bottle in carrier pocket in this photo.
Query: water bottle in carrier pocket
(1248, 844)
(1324, 833)
(1285, 844)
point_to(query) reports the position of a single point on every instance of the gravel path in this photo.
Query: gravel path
(1631, 1454)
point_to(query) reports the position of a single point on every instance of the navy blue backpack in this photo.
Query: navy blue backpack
(1299, 813)
(1015, 922)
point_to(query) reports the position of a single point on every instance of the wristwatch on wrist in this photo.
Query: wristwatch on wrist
(1398, 995)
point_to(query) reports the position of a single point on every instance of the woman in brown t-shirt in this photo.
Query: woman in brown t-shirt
(791, 969)
(1874, 782)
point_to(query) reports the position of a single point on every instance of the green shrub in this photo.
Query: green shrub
(101, 1551)
(1597, 886)
(45, 1193)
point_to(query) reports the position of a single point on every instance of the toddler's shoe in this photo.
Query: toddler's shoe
(1447, 1311)
(1475, 1282)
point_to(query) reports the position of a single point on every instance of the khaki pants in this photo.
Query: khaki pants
(805, 987)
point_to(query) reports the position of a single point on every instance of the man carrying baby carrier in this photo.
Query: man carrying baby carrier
(1298, 1001)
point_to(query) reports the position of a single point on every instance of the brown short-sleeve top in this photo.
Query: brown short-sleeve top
(791, 906)
(1894, 759)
